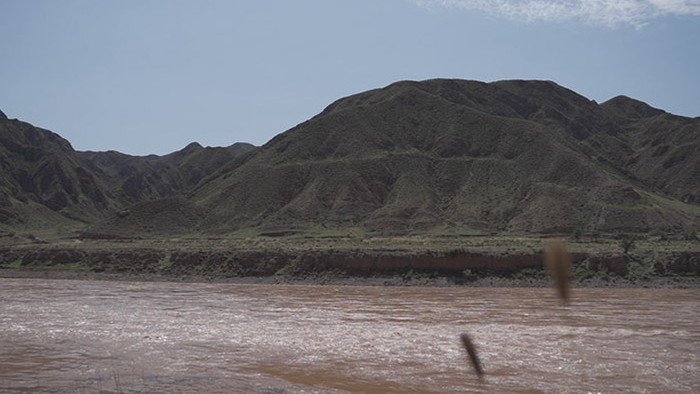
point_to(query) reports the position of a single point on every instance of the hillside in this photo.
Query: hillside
(46, 185)
(43, 182)
(659, 149)
(437, 156)
(520, 156)
(135, 179)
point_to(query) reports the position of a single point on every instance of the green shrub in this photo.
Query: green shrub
(638, 269)
(627, 244)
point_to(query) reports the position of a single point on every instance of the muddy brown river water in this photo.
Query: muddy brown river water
(74, 336)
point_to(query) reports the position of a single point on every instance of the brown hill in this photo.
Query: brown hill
(524, 156)
(155, 191)
(433, 156)
(658, 148)
(43, 181)
(134, 179)
(46, 184)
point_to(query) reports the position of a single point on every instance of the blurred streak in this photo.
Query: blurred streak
(558, 262)
(471, 351)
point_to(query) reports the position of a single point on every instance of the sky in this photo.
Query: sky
(150, 76)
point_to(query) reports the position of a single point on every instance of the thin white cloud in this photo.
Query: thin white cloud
(608, 13)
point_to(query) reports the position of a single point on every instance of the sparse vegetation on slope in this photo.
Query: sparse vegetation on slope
(515, 156)
(437, 156)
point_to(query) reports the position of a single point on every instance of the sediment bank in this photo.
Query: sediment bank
(349, 266)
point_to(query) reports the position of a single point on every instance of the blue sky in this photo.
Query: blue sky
(150, 76)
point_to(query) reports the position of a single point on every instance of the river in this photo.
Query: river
(76, 336)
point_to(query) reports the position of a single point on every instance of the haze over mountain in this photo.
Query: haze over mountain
(436, 155)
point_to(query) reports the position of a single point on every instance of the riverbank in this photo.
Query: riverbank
(679, 282)
(497, 262)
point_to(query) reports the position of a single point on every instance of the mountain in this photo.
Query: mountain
(522, 156)
(134, 179)
(431, 156)
(45, 183)
(157, 190)
(659, 149)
